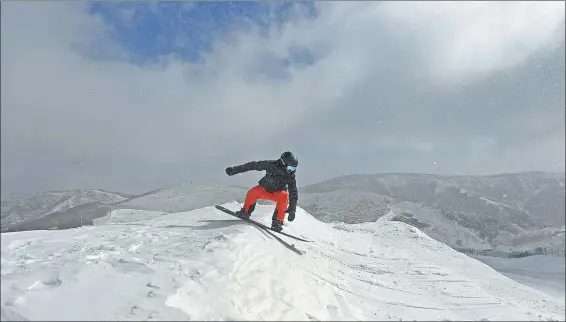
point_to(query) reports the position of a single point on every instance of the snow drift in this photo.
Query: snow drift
(207, 265)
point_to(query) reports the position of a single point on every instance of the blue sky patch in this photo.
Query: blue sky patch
(148, 30)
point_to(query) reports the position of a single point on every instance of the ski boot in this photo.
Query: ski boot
(277, 225)
(243, 214)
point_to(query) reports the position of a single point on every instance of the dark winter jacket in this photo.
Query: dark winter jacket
(276, 178)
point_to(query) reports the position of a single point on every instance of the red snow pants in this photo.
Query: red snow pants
(259, 192)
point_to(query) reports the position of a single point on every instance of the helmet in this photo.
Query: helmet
(289, 160)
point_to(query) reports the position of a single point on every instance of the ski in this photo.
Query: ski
(230, 212)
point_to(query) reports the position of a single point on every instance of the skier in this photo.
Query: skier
(280, 176)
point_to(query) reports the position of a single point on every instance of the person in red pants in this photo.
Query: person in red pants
(278, 185)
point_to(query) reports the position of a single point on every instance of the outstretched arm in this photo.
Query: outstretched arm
(253, 165)
(293, 196)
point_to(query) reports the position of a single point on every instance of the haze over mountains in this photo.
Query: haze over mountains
(505, 212)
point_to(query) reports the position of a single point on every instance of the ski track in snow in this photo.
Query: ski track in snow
(207, 265)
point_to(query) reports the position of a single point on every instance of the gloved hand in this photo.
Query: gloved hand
(291, 216)
(230, 171)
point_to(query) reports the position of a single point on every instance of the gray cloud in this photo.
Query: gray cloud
(394, 87)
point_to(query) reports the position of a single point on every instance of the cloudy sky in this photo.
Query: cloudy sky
(136, 96)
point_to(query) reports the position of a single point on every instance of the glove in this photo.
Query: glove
(291, 216)
(230, 171)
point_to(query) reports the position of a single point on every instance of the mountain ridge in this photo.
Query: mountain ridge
(503, 212)
(485, 210)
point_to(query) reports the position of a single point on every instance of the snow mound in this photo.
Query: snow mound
(207, 265)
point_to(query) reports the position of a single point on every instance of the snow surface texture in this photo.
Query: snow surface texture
(207, 265)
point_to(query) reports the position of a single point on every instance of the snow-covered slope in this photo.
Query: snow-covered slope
(20, 208)
(185, 197)
(507, 211)
(207, 265)
(543, 273)
(345, 205)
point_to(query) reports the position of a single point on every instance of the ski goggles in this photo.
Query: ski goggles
(288, 167)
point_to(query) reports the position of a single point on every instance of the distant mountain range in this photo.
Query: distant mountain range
(506, 212)
(57, 209)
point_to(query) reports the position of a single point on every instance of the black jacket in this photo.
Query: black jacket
(276, 178)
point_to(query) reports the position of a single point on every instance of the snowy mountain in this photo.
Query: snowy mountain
(503, 213)
(185, 197)
(207, 265)
(507, 212)
(46, 209)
